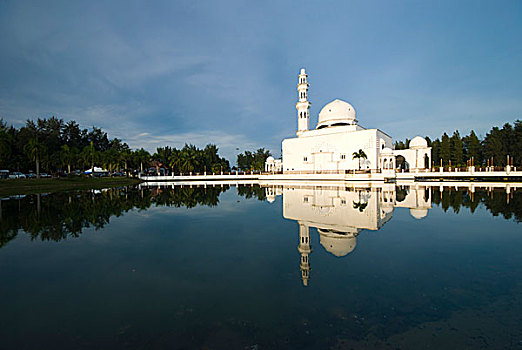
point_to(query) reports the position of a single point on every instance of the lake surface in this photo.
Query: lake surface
(277, 267)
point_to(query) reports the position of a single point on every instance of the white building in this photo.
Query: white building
(332, 146)
(273, 165)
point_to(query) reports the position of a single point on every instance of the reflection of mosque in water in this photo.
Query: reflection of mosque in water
(340, 213)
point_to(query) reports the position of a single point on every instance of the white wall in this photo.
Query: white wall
(415, 157)
(334, 208)
(323, 149)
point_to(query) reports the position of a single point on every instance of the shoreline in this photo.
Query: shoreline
(13, 187)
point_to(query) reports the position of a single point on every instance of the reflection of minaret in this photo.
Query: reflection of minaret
(305, 249)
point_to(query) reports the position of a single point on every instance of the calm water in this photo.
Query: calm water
(295, 267)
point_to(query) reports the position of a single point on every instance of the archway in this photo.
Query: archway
(401, 163)
(426, 162)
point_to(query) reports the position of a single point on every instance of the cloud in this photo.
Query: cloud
(202, 72)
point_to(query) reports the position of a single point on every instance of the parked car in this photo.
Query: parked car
(30, 175)
(17, 175)
(45, 175)
(116, 173)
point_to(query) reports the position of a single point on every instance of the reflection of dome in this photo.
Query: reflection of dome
(418, 213)
(336, 113)
(387, 209)
(337, 243)
(418, 142)
(270, 198)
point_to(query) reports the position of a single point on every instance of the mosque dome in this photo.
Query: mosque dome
(418, 213)
(336, 113)
(337, 243)
(418, 142)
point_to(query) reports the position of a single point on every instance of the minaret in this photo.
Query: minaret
(303, 105)
(305, 249)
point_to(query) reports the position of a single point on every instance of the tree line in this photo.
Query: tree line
(249, 161)
(493, 149)
(53, 145)
(58, 216)
(497, 202)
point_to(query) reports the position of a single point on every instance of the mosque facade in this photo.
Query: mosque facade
(339, 144)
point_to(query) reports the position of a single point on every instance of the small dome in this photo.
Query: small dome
(336, 113)
(387, 150)
(303, 71)
(418, 142)
(270, 159)
(418, 213)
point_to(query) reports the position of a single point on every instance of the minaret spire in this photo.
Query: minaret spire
(303, 105)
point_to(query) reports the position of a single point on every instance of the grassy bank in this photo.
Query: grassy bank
(29, 186)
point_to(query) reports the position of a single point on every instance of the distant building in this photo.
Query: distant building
(331, 146)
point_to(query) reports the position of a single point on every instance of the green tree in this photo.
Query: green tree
(141, 157)
(473, 148)
(494, 147)
(445, 148)
(90, 156)
(5, 144)
(34, 150)
(66, 157)
(190, 159)
(517, 143)
(435, 151)
(359, 155)
(457, 150)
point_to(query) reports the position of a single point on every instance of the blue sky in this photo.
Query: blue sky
(168, 72)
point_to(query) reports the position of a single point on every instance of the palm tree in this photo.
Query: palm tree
(110, 157)
(89, 155)
(123, 156)
(66, 157)
(175, 160)
(142, 157)
(190, 159)
(359, 155)
(34, 150)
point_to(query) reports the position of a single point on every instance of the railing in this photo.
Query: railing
(254, 172)
(329, 172)
(445, 169)
(469, 169)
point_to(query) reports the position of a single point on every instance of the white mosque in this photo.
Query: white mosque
(330, 147)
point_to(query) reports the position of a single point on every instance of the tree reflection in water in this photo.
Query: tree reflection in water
(60, 215)
(57, 216)
(496, 201)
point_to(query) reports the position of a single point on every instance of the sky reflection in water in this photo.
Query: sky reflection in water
(226, 268)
